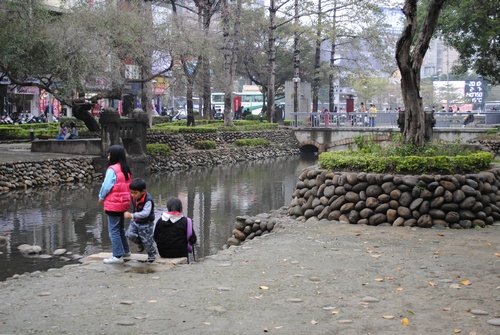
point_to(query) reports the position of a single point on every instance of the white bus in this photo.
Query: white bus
(253, 101)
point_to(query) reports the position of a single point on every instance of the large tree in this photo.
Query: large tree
(410, 52)
(80, 50)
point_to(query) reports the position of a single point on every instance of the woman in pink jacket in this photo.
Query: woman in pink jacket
(115, 196)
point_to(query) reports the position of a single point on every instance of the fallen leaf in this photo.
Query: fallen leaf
(431, 283)
(399, 289)
(375, 256)
(497, 254)
(264, 287)
(206, 323)
(465, 282)
(335, 312)
(379, 279)
(446, 309)
(456, 331)
(440, 234)
(454, 286)
(152, 301)
(405, 322)
(388, 317)
(411, 312)
(314, 322)
(278, 327)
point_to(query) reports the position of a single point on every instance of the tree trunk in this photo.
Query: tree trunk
(271, 59)
(230, 51)
(317, 64)
(331, 84)
(205, 12)
(189, 102)
(410, 52)
(296, 60)
(146, 67)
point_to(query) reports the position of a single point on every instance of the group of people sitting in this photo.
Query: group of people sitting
(67, 133)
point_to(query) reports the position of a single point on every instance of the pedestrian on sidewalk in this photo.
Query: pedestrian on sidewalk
(115, 196)
(142, 218)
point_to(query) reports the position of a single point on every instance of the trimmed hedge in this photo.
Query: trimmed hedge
(205, 145)
(158, 149)
(42, 130)
(252, 142)
(369, 162)
(212, 126)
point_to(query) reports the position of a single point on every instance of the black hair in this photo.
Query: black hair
(137, 184)
(117, 155)
(174, 205)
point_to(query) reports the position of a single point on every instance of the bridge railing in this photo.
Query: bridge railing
(390, 119)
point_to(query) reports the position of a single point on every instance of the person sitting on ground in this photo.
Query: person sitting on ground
(142, 218)
(63, 131)
(171, 232)
(73, 131)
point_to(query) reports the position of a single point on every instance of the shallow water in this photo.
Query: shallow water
(69, 217)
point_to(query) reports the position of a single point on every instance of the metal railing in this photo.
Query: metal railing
(390, 120)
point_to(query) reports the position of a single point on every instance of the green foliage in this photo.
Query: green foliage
(205, 145)
(366, 144)
(370, 162)
(42, 130)
(212, 126)
(158, 149)
(252, 142)
(472, 28)
(175, 128)
(251, 117)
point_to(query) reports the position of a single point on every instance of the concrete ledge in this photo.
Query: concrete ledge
(74, 147)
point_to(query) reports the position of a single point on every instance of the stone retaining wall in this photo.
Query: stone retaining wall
(493, 145)
(456, 201)
(179, 142)
(17, 175)
(181, 161)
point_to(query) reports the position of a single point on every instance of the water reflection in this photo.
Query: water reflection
(69, 216)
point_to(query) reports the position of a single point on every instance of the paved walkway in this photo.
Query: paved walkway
(21, 152)
(304, 278)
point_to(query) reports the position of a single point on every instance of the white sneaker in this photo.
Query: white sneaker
(113, 260)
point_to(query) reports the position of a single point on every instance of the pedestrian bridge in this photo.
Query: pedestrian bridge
(318, 132)
(321, 139)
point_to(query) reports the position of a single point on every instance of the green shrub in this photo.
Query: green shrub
(158, 149)
(205, 145)
(172, 128)
(252, 142)
(368, 162)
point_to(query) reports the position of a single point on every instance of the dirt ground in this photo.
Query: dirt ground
(305, 278)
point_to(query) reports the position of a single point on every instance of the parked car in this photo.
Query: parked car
(219, 115)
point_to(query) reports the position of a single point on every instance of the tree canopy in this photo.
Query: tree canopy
(473, 28)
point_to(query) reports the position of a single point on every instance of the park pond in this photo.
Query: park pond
(69, 217)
